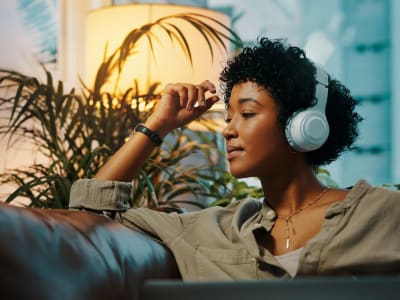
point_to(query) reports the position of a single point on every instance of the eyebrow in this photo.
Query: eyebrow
(244, 100)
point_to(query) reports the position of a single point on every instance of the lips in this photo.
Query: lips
(233, 151)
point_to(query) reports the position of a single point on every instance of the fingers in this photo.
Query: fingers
(208, 103)
(209, 86)
(190, 95)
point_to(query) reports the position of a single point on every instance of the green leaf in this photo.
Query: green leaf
(77, 133)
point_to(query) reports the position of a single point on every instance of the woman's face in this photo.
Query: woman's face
(255, 142)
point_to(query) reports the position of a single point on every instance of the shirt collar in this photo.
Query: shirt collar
(253, 214)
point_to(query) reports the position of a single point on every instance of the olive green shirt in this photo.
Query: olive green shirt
(359, 236)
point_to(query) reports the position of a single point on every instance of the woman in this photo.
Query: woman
(302, 228)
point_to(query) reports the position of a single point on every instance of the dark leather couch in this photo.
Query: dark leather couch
(72, 255)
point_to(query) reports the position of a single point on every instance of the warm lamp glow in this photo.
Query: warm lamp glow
(107, 28)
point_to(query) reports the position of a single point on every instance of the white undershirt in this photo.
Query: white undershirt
(290, 261)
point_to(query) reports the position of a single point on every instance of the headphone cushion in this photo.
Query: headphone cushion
(307, 130)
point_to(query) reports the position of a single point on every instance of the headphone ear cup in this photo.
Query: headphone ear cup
(307, 130)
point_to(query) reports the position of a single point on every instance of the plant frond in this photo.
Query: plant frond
(77, 133)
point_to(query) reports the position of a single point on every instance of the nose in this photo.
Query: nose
(229, 131)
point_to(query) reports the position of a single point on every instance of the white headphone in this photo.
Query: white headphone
(308, 130)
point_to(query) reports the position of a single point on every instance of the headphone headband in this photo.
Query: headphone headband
(321, 89)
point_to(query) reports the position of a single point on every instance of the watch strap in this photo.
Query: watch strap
(154, 137)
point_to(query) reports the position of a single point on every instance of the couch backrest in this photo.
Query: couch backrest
(64, 254)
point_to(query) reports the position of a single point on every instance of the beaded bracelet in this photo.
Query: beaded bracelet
(154, 137)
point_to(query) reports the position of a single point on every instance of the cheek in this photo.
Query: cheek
(271, 136)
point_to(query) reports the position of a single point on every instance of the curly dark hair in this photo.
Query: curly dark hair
(288, 75)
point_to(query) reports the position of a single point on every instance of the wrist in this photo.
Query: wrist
(151, 134)
(158, 127)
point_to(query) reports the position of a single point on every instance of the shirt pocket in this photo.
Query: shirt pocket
(224, 264)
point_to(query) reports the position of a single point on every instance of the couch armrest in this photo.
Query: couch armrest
(64, 254)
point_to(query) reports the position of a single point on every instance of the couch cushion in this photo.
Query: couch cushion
(63, 254)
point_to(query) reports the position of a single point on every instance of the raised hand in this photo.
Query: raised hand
(180, 104)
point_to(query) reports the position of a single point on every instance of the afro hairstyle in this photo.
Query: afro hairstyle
(288, 75)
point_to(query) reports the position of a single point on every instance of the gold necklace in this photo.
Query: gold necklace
(288, 219)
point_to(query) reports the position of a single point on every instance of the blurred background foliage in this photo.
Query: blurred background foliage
(76, 131)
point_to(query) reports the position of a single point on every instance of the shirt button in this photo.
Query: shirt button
(253, 259)
(270, 214)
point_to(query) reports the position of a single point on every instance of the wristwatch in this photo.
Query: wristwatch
(154, 137)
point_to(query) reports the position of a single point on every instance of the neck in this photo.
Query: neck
(290, 191)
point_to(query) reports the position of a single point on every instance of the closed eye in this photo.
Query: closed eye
(248, 115)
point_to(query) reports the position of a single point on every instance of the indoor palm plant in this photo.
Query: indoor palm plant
(77, 130)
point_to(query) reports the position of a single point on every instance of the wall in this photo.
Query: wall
(395, 88)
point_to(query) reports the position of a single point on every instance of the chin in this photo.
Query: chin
(239, 173)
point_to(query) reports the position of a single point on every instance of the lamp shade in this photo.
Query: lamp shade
(158, 57)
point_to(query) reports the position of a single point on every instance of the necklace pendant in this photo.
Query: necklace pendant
(287, 243)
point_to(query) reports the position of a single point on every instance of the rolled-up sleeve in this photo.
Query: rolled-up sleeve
(97, 194)
(114, 196)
